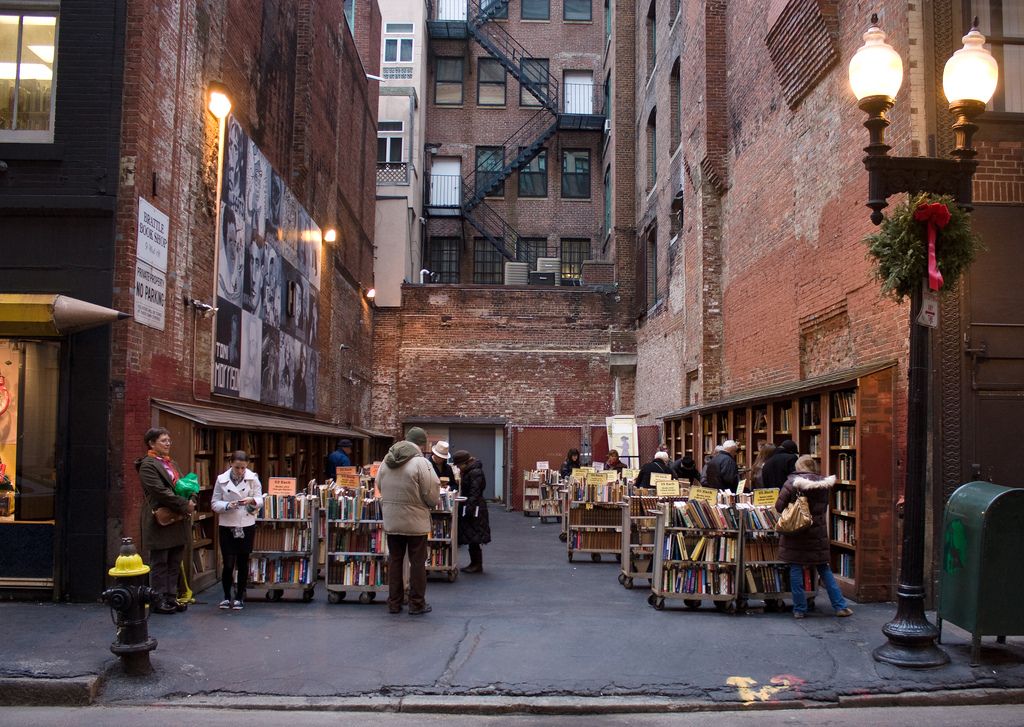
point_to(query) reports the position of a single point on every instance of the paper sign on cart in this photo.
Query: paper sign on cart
(659, 477)
(339, 471)
(630, 474)
(577, 473)
(347, 479)
(667, 489)
(373, 469)
(543, 465)
(706, 494)
(282, 485)
(766, 497)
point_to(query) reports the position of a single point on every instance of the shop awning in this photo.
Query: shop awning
(779, 391)
(374, 434)
(240, 419)
(50, 314)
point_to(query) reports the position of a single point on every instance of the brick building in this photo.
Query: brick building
(250, 330)
(757, 312)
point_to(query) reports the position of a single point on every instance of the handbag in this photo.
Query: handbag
(166, 516)
(796, 517)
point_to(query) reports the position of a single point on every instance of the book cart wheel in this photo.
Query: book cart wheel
(725, 606)
(622, 579)
(452, 575)
(596, 557)
(627, 582)
(364, 597)
(335, 596)
(659, 604)
(307, 596)
(570, 557)
(772, 605)
(691, 603)
(277, 594)
(563, 537)
(650, 599)
(618, 557)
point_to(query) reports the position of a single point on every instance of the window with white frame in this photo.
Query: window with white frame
(28, 58)
(390, 141)
(398, 42)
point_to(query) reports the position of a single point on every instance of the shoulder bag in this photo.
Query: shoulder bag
(796, 517)
(166, 516)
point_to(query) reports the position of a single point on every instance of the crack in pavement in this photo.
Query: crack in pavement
(445, 680)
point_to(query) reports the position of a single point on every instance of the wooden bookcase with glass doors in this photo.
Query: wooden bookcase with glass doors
(847, 426)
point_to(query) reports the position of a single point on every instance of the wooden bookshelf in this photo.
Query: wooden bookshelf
(638, 529)
(357, 549)
(531, 493)
(443, 542)
(284, 554)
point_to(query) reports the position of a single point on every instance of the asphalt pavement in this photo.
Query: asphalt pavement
(533, 629)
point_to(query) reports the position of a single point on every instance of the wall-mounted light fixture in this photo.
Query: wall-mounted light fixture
(371, 294)
(217, 100)
(371, 77)
(330, 234)
(204, 309)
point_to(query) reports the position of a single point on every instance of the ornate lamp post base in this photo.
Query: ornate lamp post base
(911, 635)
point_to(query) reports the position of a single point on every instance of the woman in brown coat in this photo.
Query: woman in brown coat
(809, 547)
(166, 543)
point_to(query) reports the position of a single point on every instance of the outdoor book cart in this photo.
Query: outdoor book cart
(563, 497)
(765, 577)
(285, 548)
(357, 549)
(595, 519)
(638, 530)
(443, 541)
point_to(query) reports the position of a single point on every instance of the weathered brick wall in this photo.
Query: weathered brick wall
(298, 89)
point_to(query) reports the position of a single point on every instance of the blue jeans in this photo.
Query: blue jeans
(796, 584)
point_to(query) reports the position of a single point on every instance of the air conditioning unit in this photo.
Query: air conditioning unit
(550, 265)
(517, 273)
(542, 278)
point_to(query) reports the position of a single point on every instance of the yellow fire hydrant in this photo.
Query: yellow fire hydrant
(128, 600)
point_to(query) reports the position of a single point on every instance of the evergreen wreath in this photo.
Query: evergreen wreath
(900, 247)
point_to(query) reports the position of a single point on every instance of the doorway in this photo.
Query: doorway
(487, 445)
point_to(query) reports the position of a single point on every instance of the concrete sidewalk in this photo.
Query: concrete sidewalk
(534, 629)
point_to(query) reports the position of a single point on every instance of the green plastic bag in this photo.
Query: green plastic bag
(187, 485)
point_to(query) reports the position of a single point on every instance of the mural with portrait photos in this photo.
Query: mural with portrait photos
(268, 284)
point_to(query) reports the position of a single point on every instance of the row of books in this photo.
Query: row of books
(605, 492)
(714, 549)
(763, 517)
(704, 579)
(287, 507)
(641, 505)
(353, 508)
(814, 445)
(845, 436)
(774, 579)
(761, 548)
(279, 570)
(202, 469)
(844, 403)
(440, 557)
(549, 476)
(203, 559)
(205, 440)
(579, 515)
(845, 500)
(441, 528)
(446, 500)
(271, 537)
(701, 514)
(844, 529)
(845, 564)
(810, 412)
(357, 572)
(846, 466)
(595, 540)
(358, 541)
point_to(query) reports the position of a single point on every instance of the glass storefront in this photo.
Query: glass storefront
(29, 389)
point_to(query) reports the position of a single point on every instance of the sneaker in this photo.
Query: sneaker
(420, 611)
(844, 612)
(799, 614)
(237, 606)
(225, 604)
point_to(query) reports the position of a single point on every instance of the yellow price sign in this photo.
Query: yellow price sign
(630, 474)
(766, 496)
(668, 489)
(577, 473)
(589, 506)
(706, 494)
(657, 477)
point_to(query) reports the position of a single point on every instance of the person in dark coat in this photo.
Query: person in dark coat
(780, 465)
(613, 462)
(809, 547)
(572, 461)
(166, 543)
(658, 465)
(722, 472)
(340, 457)
(685, 468)
(755, 478)
(474, 524)
(439, 460)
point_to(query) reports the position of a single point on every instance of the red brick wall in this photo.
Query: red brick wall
(298, 89)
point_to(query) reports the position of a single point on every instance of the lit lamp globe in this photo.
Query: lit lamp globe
(876, 71)
(971, 74)
(218, 103)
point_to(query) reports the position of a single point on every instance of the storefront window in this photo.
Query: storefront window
(29, 386)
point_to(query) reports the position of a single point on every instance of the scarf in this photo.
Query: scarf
(168, 464)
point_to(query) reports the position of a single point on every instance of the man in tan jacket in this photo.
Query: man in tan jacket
(409, 489)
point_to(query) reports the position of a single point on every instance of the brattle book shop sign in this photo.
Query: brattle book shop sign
(151, 266)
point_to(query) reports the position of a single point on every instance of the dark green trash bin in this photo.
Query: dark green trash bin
(981, 586)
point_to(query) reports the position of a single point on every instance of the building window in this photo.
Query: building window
(489, 161)
(574, 252)
(495, 9)
(535, 10)
(607, 201)
(577, 10)
(533, 176)
(676, 215)
(576, 173)
(443, 259)
(607, 20)
(652, 39)
(535, 73)
(398, 50)
(531, 248)
(607, 110)
(28, 47)
(652, 149)
(389, 142)
(675, 127)
(490, 83)
(448, 82)
(651, 267)
(1002, 22)
(487, 268)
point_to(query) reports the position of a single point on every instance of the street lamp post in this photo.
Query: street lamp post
(969, 81)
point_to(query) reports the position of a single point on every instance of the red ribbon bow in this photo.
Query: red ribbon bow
(936, 216)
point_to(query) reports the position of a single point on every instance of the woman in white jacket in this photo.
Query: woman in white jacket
(237, 497)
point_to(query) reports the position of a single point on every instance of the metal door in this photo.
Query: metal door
(482, 443)
(578, 92)
(994, 350)
(451, 10)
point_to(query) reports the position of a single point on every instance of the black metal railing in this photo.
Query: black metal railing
(584, 99)
(517, 150)
(444, 190)
(396, 173)
(496, 229)
(447, 9)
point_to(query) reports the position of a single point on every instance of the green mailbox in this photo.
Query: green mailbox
(981, 586)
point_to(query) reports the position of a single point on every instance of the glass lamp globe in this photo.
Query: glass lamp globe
(971, 73)
(876, 69)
